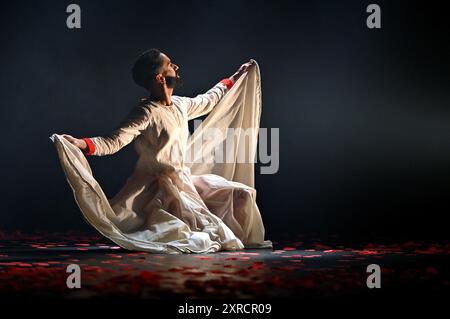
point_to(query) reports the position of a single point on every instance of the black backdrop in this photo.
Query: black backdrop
(363, 114)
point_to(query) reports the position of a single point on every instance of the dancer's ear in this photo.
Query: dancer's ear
(160, 78)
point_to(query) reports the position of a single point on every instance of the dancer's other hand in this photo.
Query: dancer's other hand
(244, 68)
(80, 143)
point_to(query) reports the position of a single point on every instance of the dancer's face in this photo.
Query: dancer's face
(169, 68)
(169, 72)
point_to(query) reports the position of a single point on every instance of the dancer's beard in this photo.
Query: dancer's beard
(173, 81)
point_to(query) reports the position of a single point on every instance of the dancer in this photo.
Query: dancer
(168, 205)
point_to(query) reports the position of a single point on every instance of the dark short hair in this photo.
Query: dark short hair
(145, 67)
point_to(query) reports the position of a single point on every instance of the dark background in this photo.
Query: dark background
(363, 114)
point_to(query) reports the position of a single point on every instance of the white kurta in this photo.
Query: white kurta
(168, 205)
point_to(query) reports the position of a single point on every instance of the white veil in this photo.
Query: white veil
(236, 116)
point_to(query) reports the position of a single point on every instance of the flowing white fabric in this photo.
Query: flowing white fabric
(178, 200)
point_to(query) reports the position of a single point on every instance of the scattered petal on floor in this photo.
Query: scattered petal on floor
(36, 265)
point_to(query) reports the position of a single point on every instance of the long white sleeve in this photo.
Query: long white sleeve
(204, 103)
(136, 122)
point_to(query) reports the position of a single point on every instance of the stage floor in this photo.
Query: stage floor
(34, 265)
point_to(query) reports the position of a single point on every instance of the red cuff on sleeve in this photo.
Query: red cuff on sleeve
(91, 146)
(228, 83)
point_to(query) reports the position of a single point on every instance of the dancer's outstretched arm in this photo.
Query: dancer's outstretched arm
(128, 130)
(204, 103)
